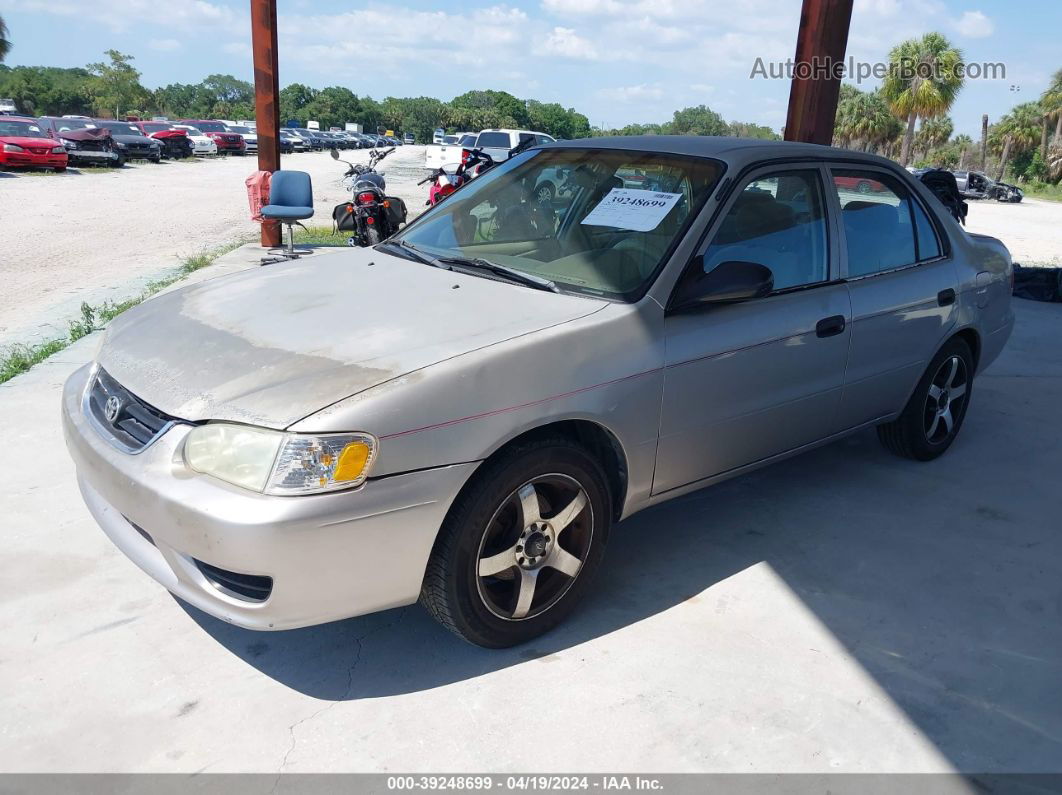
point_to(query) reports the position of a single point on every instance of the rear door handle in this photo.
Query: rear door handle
(829, 326)
(946, 297)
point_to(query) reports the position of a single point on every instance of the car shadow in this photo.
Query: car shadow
(941, 580)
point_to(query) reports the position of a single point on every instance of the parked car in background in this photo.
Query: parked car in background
(202, 144)
(86, 144)
(313, 141)
(249, 135)
(450, 152)
(859, 184)
(7, 107)
(131, 141)
(23, 144)
(294, 142)
(409, 138)
(690, 334)
(227, 142)
(976, 185)
(438, 135)
(174, 142)
(497, 143)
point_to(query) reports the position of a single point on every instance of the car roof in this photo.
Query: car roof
(12, 117)
(733, 150)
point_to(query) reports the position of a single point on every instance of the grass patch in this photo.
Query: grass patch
(319, 236)
(1043, 190)
(19, 358)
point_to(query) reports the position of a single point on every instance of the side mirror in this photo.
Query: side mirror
(334, 153)
(728, 282)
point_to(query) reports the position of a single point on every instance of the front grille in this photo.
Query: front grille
(92, 146)
(131, 423)
(249, 587)
(39, 150)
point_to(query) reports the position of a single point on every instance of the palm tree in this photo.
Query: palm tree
(1018, 131)
(923, 81)
(845, 120)
(963, 142)
(1051, 102)
(5, 42)
(933, 133)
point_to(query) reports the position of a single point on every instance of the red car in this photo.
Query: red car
(228, 142)
(859, 184)
(24, 144)
(174, 142)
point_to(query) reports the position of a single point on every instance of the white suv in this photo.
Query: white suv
(497, 143)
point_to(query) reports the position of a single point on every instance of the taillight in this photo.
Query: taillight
(465, 154)
(366, 198)
(445, 190)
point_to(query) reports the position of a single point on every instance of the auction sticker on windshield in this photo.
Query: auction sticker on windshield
(628, 208)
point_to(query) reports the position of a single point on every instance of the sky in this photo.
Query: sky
(617, 61)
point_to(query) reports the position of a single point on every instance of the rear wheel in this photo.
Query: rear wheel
(520, 545)
(372, 235)
(60, 169)
(934, 414)
(863, 186)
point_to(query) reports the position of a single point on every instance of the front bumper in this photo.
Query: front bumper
(32, 160)
(330, 556)
(91, 156)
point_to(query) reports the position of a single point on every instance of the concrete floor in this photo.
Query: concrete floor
(842, 611)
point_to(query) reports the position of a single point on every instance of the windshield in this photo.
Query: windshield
(468, 141)
(22, 129)
(594, 221)
(121, 129)
(212, 126)
(74, 124)
(241, 130)
(157, 127)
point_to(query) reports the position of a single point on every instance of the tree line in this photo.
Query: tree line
(907, 119)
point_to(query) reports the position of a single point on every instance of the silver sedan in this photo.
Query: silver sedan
(461, 414)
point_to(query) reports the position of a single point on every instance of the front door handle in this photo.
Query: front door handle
(829, 326)
(946, 297)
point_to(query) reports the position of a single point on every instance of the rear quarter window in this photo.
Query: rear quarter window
(496, 140)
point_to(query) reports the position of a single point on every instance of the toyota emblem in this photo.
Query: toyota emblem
(111, 409)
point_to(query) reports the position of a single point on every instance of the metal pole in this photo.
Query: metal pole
(266, 96)
(821, 43)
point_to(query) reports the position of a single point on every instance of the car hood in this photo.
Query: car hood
(272, 345)
(124, 138)
(169, 134)
(28, 141)
(85, 134)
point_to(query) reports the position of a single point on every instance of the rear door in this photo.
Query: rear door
(902, 284)
(747, 381)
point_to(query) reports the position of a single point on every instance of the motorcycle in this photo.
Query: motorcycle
(474, 162)
(371, 214)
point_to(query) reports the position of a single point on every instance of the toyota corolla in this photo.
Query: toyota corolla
(460, 415)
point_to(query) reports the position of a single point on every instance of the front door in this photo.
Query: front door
(747, 381)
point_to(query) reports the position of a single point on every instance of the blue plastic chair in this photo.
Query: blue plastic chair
(290, 201)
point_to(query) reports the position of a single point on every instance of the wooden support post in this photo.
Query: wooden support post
(821, 43)
(266, 96)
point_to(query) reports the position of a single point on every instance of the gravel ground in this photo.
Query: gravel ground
(102, 235)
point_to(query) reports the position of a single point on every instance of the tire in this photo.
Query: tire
(494, 576)
(922, 431)
(545, 192)
(119, 163)
(372, 235)
(60, 170)
(863, 186)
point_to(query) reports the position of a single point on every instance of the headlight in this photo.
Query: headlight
(119, 145)
(70, 144)
(57, 150)
(279, 463)
(13, 148)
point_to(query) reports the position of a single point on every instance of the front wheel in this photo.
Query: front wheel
(934, 414)
(520, 544)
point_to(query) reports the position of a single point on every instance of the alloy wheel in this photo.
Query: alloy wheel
(944, 399)
(534, 547)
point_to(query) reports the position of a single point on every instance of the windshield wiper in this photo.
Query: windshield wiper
(417, 254)
(526, 279)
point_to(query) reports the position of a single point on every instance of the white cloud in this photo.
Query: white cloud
(975, 25)
(566, 43)
(238, 48)
(164, 45)
(638, 93)
(122, 15)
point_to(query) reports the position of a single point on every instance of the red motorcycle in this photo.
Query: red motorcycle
(473, 163)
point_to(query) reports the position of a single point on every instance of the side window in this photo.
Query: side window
(778, 220)
(879, 227)
(925, 234)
